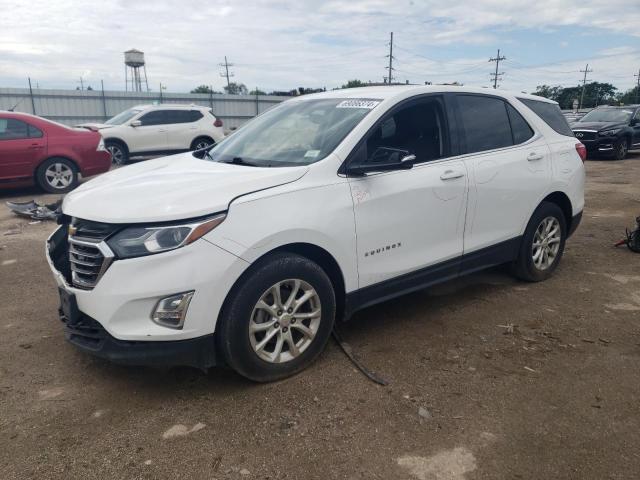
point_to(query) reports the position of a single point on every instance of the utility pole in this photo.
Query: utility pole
(584, 83)
(391, 57)
(497, 75)
(637, 86)
(226, 73)
(81, 84)
(33, 103)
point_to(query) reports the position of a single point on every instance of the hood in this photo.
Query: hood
(170, 188)
(598, 126)
(94, 126)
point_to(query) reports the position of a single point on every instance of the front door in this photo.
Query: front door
(409, 220)
(150, 135)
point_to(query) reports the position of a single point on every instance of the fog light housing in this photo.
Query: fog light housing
(171, 311)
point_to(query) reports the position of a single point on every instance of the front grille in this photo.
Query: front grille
(89, 255)
(88, 263)
(584, 135)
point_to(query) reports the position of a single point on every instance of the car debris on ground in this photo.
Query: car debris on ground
(36, 211)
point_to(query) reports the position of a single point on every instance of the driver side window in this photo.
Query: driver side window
(156, 117)
(416, 129)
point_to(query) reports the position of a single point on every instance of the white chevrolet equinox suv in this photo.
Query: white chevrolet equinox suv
(158, 129)
(319, 207)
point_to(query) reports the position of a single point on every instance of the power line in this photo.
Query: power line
(584, 83)
(496, 75)
(391, 57)
(226, 73)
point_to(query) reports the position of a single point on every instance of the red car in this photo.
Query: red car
(49, 154)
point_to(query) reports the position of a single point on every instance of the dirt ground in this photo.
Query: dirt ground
(557, 398)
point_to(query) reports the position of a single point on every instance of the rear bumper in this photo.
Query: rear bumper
(96, 162)
(88, 335)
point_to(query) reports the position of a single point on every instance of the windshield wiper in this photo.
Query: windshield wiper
(240, 161)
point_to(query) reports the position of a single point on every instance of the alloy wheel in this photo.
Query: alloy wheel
(117, 154)
(546, 243)
(202, 144)
(285, 321)
(59, 175)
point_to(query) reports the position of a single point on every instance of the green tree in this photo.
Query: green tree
(546, 91)
(629, 97)
(257, 91)
(203, 89)
(354, 84)
(236, 89)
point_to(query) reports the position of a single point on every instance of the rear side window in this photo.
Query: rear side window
(519, 126)
(551, 114)
(35, 132)
(12, 129)
(485, 123)
(195, 115)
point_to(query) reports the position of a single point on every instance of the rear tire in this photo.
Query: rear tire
(119, 152)
(201, 142)
(57, 175)
(542, 244)
(265, 333)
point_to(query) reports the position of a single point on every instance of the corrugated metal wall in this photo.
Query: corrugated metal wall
(72, 107)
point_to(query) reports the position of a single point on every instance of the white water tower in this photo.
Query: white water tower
(134, 70)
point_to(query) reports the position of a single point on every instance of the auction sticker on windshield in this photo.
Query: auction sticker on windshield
(358, 103)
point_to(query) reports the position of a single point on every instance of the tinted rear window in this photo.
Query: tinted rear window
(485, 121)
(551, 114)
(519, 126)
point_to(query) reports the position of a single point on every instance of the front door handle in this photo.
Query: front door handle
(451, 175)
(533, 156)
(35, 146)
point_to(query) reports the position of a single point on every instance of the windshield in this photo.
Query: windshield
(123, 117)
(608, 115)
(293, 133)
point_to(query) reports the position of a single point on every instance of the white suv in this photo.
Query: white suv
(321, 206)
(159, 129)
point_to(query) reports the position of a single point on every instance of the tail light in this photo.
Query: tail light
(582, 151)
(217, 123)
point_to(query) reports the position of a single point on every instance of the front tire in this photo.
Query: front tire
(277, 319)
(119, 153)
(542, 244)
(57, 175)
(620, 149)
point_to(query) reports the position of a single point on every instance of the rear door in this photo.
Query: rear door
(151, 135)
(510, 166)
(22, 146)
(182, 128)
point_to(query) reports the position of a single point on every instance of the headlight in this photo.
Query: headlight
(608, 133)
(101, 147)
(150, 239)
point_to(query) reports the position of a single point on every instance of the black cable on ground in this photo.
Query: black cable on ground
(346, 348)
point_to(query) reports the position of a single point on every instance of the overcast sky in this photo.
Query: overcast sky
(283, 45)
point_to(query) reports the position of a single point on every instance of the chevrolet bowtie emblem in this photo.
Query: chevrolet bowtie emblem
(72, 230)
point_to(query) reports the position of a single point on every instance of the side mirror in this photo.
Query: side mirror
(384, 159)
(136, 123)
(634, 122)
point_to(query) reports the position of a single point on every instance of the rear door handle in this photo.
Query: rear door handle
(451, 175)
(533, 156)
